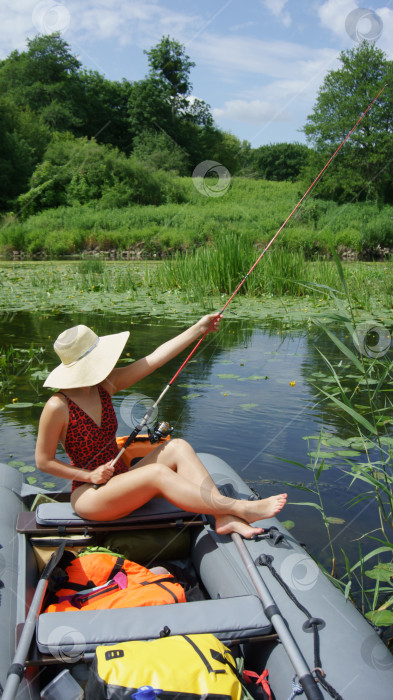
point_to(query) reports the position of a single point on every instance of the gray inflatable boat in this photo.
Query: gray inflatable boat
(266, 596)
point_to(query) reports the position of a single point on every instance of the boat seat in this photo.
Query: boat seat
(69, 635)
(60, 518)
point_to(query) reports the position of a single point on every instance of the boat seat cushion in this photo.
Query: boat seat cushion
(69, 635)
(55, 514)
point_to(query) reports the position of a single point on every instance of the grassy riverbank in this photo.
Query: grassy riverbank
(250, 209)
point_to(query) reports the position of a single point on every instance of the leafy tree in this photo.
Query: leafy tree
(162, 101)
(157, 150)
(171, 66)
(364, 169)
(43, 78)
(77, 171)
(23, 139)
(48, 79)
(102, 109)
(280, 161)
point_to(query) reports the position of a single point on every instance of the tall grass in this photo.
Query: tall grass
(219, 267)
(360, 388)
(253, 209)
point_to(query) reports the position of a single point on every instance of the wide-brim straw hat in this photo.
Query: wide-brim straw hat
(86, 358)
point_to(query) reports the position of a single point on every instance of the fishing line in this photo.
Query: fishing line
(146, 417)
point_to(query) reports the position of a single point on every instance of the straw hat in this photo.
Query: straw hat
(86, 359)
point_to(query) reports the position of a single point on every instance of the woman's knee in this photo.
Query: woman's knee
(158, 472)
(179, 446)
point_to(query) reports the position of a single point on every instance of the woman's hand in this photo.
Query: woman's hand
(207, 321)
(102, 474)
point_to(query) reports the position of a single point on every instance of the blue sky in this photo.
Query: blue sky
(259, 63)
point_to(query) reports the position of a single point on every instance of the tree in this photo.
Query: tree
(43, 78)
(171, 66)
(23, 139)
(157, 150)
(280, 161)
(364, 169)
(78, 171)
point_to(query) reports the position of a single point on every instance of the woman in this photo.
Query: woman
(81, 417)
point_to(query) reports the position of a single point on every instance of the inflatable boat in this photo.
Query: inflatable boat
(265, 597)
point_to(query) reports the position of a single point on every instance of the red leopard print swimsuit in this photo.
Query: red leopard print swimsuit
(89, 445)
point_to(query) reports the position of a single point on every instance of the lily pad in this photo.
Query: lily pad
(322, 455)
(25, 469)
(288, 524)
(191, 396)
(16, 463)
(348, 453)
(228, 376)
(253, 378)
(48, 484)
(31, 480)
(248, 406)
(19, 404)
(335, 442)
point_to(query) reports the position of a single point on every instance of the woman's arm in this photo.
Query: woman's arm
(123, 377)
(52, 423)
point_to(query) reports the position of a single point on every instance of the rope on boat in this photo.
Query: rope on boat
(314, 622)
(296, 689)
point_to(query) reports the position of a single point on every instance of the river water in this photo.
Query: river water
(248, 396)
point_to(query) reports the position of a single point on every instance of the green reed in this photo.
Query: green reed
(218, 267)
(360, 388)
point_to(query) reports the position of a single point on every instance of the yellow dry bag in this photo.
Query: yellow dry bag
(187, 667)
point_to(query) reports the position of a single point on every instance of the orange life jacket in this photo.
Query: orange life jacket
(98, 580)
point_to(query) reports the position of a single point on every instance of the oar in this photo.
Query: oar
(17, 669)
(273, 614)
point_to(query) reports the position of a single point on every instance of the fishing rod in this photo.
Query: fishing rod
(150, 410)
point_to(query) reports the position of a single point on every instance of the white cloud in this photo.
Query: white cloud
(275, 59)
(251, 111)
(133, 21)
(333, 13)
(276, 7)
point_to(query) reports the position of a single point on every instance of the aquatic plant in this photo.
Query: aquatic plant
(360, 387)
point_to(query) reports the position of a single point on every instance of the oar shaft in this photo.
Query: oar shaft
(272, 612)
(16, 670)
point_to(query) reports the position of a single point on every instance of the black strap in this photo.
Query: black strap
(160, 583)
(118, 566)
(265, 560)
(73, 586)
(206, 661)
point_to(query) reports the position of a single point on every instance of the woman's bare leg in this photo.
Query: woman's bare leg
(182, 458)
(127, 492)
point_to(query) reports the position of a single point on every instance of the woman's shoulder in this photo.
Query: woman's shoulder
(56, 405)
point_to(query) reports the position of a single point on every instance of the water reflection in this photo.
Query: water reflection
(246, 396)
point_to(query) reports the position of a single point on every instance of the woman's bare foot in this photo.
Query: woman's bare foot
(264, 508)
(225, 524)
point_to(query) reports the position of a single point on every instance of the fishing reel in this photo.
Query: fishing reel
(160, 431)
